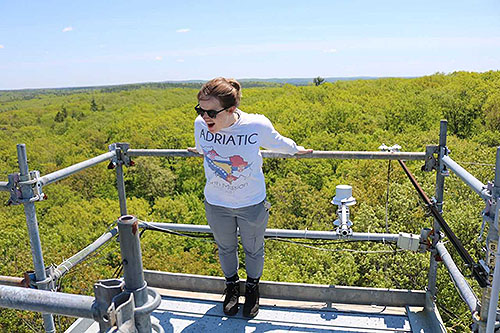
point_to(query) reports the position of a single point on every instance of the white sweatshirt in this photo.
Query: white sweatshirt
(232, 159)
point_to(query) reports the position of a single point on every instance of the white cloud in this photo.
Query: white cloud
(67, 29)
(180, 60)
(158, 58)
(1, 46)
(183, 30)
(330, 51)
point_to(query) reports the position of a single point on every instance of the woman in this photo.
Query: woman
(235, 190)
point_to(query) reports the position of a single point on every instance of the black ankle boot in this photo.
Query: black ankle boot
(232, 293)
(251, 306)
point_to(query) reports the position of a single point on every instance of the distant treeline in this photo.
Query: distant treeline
(25, 94)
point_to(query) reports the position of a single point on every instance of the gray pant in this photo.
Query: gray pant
(252, 222)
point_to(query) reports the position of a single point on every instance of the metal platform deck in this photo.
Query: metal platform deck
(190, 311)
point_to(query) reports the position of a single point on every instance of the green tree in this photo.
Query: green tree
(492, 112)
(61, 115)
(148, 179)
(93, 105)
(318, 80)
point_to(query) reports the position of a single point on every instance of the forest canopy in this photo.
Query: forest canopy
(60, 129)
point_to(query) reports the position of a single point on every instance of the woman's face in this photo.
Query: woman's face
(222, 120)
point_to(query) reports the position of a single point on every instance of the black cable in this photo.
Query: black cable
(312, 242)
(145, 225)
(478, 271)
(324, 242)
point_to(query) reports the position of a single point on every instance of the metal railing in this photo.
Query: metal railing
(27, 187)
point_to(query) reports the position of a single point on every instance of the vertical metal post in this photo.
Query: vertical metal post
(431, 286)
(120, 183)
(34, 235)
(495, 286)
(133, 273)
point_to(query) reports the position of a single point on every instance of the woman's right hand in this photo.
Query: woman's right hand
(192, 150)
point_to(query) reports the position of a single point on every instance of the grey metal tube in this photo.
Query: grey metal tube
(439, 194)
(69, 263)
(461, 284)
(497, 171)
(63, 173)
(120, 185)
(133, 274)
(46, 302)
(34, 235)
(12, 281)
(495, 288)
(3, 186)
(284, 233)
(468, 179)
(362, 155)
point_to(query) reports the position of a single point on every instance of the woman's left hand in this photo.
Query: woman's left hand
(303, 151)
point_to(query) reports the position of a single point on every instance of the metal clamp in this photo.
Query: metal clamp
(49, 281)
(121, 313)
(443, 151)
(115, 306)
(121, 157)
(431, 163)
(393, 149)
(154, 300)
(15, 186)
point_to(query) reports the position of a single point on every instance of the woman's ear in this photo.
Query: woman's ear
(232, 109)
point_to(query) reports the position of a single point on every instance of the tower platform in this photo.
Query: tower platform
(193, 303)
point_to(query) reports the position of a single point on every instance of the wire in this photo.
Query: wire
(324, 242)
(333, 250)
(168, 231)
(318, 243)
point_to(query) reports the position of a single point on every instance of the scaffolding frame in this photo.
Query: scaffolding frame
(129, 302)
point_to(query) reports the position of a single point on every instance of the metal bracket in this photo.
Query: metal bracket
(31, 281)
(443, 151)
(121, 313)
(488, 212)
(105, 291)
(121, 157)
(431, 163)
(15, 186)
(116, 308)
(424, 241)
(392, 149)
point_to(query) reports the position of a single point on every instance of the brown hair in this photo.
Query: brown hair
(227, 91)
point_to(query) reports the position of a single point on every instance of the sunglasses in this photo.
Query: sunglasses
(211, 113)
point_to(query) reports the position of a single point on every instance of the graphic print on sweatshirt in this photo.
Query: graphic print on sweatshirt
(228, 168)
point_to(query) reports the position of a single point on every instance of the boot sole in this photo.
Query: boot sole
(232, 312)
(248, 315)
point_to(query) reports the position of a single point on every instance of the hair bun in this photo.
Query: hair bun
(236, 85)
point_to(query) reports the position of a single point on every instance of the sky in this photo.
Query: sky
(49, 44)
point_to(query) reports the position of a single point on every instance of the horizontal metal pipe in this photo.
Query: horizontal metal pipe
(468, 179)
(69, 263)
(360, 155)
(12, 281)
(63, 173)
(461, 284)
(47, 302)
(291, 291)
(283, 233)
(3, 186)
